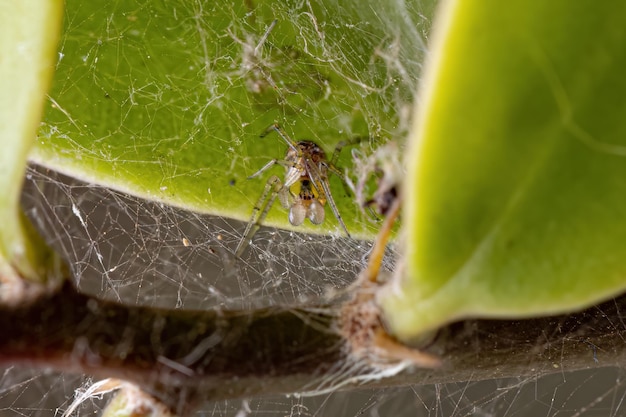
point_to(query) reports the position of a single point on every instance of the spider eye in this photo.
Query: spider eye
(297, 213)
(316, 212)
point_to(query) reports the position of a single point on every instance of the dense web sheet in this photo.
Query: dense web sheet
(138, 252)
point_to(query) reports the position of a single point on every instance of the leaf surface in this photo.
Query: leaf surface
(517, 194)
(167, 100)
(29, 31)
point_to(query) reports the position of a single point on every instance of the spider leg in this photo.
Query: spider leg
(332, 165)
(265, 168)
(284, 196)
(371, 213)
(319, 180)
(343, 144)
(276, 128)
(273, 186)
(344, 181)
(270, 164)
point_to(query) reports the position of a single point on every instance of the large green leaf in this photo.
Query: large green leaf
(166, 100)
(516, 199)
(29, 31)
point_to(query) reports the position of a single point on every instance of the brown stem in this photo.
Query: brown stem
(184, 357)
(178, 356)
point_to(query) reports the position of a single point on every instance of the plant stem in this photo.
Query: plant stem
(186, 357)
(178, 356)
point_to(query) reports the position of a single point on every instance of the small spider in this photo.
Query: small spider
(385, 165)
(305, 190)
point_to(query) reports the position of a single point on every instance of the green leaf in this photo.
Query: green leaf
(29, 32)
(517, 192)
(166, 100)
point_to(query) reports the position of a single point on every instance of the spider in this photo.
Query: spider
(385, 164)
(304, 191)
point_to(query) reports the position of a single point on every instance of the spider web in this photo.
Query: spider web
(141, 252)
(146, 253)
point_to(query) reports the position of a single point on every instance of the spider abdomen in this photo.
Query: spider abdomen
(307, 203)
